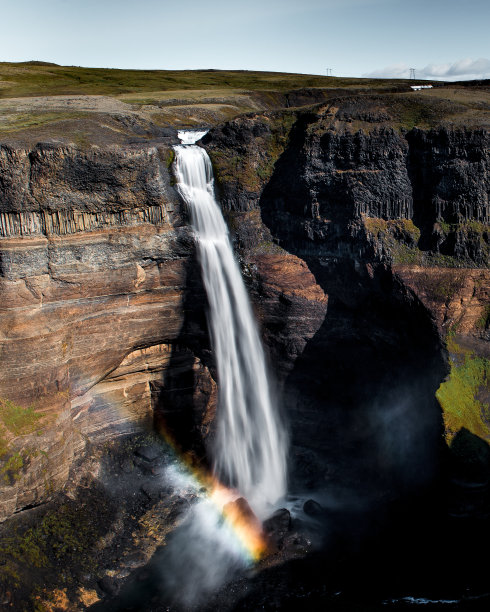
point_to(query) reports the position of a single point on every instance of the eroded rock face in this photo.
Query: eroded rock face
(97, 270)
(346, 240)
(381, 220)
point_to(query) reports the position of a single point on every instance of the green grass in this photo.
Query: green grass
(423, 112)
(40, 79)
(459, 395)
(189, 98)
(21, 121)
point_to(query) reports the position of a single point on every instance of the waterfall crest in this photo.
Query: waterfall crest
(250, 449)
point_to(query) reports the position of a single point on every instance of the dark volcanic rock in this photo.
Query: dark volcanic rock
(338, 207)
(313, 508)
(109, 585)
(149, 453)
(280, 520)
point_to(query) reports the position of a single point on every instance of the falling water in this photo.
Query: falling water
(250, 450)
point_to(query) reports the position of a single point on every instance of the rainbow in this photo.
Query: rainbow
(243, 525)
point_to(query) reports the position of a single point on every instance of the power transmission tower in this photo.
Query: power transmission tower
(329, 72)
(412, 73)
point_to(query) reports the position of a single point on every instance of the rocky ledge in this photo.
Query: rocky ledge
(97, 266)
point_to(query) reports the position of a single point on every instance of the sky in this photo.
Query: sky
(441, 39)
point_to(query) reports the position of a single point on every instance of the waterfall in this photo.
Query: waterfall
(250, 448)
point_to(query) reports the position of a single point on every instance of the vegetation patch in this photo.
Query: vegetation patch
(397, 240)
(18, 420)
(412, 110)
(39, 78)
(459, 396)
(22, 121)
(484, 321)
(15, 423)
(401, 229)
(61, 545)
(252, 169)
(170, 158)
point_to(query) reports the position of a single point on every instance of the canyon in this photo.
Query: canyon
(364, 244)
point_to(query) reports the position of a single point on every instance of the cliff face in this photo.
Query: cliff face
(362, 251)
(391, 228)
(96, 270)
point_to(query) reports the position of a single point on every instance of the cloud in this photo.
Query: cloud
(462, 70)
(395, 71)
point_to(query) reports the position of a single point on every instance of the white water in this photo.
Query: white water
(250, 449)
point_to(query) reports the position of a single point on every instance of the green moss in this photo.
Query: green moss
(448, 287)
(10, 472)
(473, 234)
(252, 171)
(280, 129)
(18, 420)
(60, 545)
(170, 158)
(444, 226)
(225, 168)
(459, 395)
(14, 464)
(376, 226)
(15, 421)
(443, 261)
(484, 321)
(399, 229)
(399, 239)
(403, 254)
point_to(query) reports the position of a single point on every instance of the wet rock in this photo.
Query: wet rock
(179, 506)
(313, 508)
(158, 470)
(150, 466)
(109, 585)
(127, 466)
(134, 560)
(149, 453)
(240, 511)
(296, 542)
(280, 521)
(152, 490)
(277, 526)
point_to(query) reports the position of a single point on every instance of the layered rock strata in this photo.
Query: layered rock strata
(392, 226)
(362, 244)
(96, 267)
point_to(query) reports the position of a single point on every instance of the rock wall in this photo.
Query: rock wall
(97, 266)
(391, 226)
(323, 174)
(362, 246)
